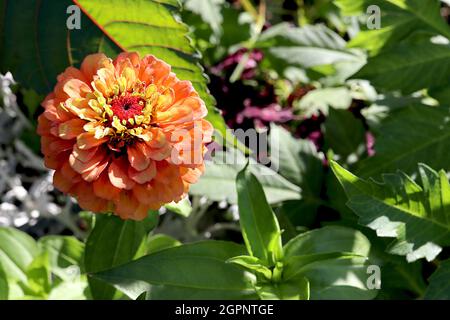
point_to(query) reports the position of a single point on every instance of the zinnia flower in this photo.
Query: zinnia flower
(124, 136)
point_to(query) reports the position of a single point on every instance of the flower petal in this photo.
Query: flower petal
(117, 173)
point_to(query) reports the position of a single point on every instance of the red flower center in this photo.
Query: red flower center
(127, 107)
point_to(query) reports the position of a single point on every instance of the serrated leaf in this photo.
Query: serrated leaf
(209, 11)
(399, 19)
(416, 215)
(306, 47)
(192, 271)
(408, 136)
(320, 100)
(408, 67)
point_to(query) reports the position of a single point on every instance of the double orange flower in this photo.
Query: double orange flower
(124, 136)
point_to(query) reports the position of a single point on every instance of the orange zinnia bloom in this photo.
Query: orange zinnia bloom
(124, 136)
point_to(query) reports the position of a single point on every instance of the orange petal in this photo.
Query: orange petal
(92, 63)
(136, 156)
(71, 129)
(143, 176)
(125, 205)
(104, 189)
(93, 175)
(117, 173)
(88, 140)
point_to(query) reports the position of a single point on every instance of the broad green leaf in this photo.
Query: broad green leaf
(296, 289)
(298, 161)
(408, 136)
(344, 133)
(158, 242)
(220, 174)
(439, 288)
(416, 215)
(294, 265)
(320, 100)
(65, 254)
(252, 264)
(408, 67)
(112, 242)
(191, 271)
(306, 47)
(425, 12)
(259, 224)
(17, 251)
(333, 278)
(183, 207)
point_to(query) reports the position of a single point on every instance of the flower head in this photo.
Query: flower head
(124, 136)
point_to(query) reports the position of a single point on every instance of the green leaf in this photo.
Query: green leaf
(112, 242)
(39, 276)
(441, 94)
(333, 278)
(424, 12)
(160, 242)
(191, 271)
(306, 47)
(295, 265)
(47, 47)
(183, 207)
(298, 161)
(297, 289)
(220, 174)
(209, 11)
(4, 286)
(416, 215)
(259, 224)
(344, 133)
(320, 100)
(17, 251)
(408, 67)
(410, 135)
(252, 264)
(65, 254)
(69, 290)
(439, 288)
